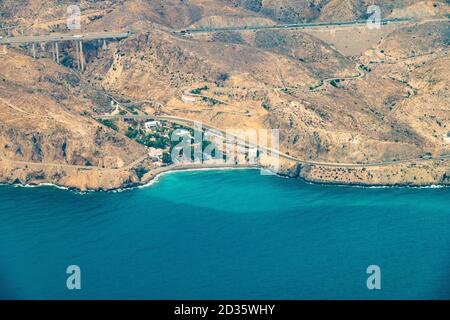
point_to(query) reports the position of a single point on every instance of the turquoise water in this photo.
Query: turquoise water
(225, 235)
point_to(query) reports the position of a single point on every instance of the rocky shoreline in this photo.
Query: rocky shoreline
(152, 176)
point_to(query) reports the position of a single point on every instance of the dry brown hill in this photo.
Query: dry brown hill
(45, 119)
(386, 105)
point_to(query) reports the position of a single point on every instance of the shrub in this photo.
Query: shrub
(109, 124)
(166, 158)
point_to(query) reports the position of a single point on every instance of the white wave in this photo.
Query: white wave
(40, 185)
(156, 179)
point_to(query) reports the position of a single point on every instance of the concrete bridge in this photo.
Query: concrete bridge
(78, 38)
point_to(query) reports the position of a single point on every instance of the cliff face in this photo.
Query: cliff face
(387, 104)
(45, 119)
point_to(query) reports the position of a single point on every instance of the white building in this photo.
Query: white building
(151, 124)
(188, 99)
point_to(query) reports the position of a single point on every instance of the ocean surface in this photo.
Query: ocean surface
(225, 235)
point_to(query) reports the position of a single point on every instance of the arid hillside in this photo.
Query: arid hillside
(177, 14)
(296, 11)
(386, 104)
(45, 118)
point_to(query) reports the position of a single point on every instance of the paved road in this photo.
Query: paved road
(358, 69)
(72, 166)
(48, 164)
(291, 26)
(190, 123)
(64, 37)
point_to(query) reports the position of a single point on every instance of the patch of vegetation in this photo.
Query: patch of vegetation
(153, 141)
(365, 68)
(223, 77)
(109, 124)
(166, 158)
(253, 5)
(334, 83)
(132, 133)
(69, 62)
(211, 101)
(140, 172)
(199, 90)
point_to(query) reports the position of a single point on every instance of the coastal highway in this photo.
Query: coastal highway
(191, 123)
(290, 26)
(64, 37)
(71, 166)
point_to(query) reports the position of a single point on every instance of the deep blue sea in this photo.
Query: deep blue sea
(225, 235)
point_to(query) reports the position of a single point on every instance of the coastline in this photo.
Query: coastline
(152, 178)
(155, 176)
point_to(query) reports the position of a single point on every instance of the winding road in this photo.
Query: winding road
(360, 74)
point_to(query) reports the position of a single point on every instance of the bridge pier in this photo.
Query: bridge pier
(77, 54)
(81, 56)
(33, 50)
(57, 52)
